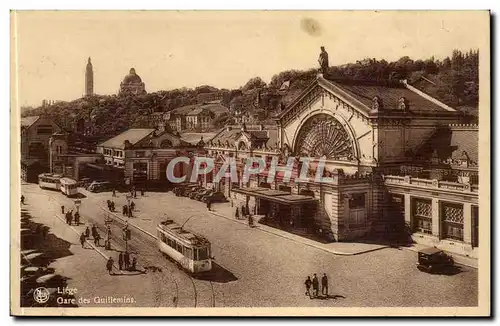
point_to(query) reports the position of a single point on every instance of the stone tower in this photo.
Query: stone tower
(89, 79)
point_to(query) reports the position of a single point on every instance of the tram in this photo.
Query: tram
(191, 251)
(69, 187)
(50, 181)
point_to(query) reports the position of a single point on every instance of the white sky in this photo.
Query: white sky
(223, 49)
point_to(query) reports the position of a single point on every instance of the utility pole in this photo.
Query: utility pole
(126, 236)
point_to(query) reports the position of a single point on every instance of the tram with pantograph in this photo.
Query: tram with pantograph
(50, 181)
(69, 187)
(190, 251)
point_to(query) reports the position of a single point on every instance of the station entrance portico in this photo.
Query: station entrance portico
(281, 208)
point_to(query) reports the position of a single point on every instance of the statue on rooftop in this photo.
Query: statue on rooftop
(323, 60)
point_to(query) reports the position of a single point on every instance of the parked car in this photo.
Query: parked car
(434, 260)
(197, 192)
(189, 190)
(99, 186)
(181, 188)
(205, 193)
(215, 197)
(84, 183)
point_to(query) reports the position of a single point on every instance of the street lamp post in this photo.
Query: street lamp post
(108, 222)
(78, 202)
(126, 236)
(128, 204)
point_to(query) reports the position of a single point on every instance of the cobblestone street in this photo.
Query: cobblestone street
(255, 267)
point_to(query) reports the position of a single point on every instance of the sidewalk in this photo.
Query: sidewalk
(459, 259)
(225, 211)
(85, 268)
(337, 248)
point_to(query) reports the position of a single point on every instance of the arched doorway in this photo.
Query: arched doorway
(324, 136)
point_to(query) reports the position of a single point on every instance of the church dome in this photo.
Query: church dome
(132, 78)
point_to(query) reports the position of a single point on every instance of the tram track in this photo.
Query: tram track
(177, 274)
(193, 281)
(144, 258)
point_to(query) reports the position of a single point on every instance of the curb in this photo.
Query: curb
(339, 253)
(459, 259)
(129, 223)
(95, 248)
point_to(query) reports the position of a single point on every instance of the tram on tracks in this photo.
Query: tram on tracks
(50, 181)
(69, 187)
(190, 251)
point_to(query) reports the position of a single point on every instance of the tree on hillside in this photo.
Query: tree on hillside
(254, 83)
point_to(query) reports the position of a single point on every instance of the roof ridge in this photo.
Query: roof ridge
(427, 96)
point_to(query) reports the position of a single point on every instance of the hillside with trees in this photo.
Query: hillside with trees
(453, 80)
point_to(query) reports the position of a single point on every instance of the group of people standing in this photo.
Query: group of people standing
(124, 262)
(86, 235)
(315, 286)
(69, 216)
(245, 213)
(128, 209)
(111, 205)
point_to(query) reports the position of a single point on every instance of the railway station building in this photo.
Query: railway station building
(401, 163)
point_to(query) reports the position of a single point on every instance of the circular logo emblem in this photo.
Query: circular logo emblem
(41, 295)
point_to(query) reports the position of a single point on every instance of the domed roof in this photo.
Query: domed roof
(132, 78)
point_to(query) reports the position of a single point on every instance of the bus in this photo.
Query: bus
(50, 181)
(69, 187)
(190, 251)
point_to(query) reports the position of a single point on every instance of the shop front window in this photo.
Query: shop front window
(453, 221)
(422, 216)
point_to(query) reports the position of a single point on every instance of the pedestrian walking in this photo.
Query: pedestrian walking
(77, 218)
(87, 232)
(142, 192)
(315, 286)
(22, 199)
(209, 205)
(97, 237)
(324, 285)
(62, 209)
(308, 283)
(250, 220)
(132, 206)
(129, 212)
(125, 210)
(82, 239)
(94, 231)
(120, 260)
(109, 204)
(134, 263)
(126, 260)
(135, 193)
(112, 206)
(70, 218)
(237, 213)
(109, 265)
(114, 192)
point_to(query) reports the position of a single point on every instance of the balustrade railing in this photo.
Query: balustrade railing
(429, 183)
